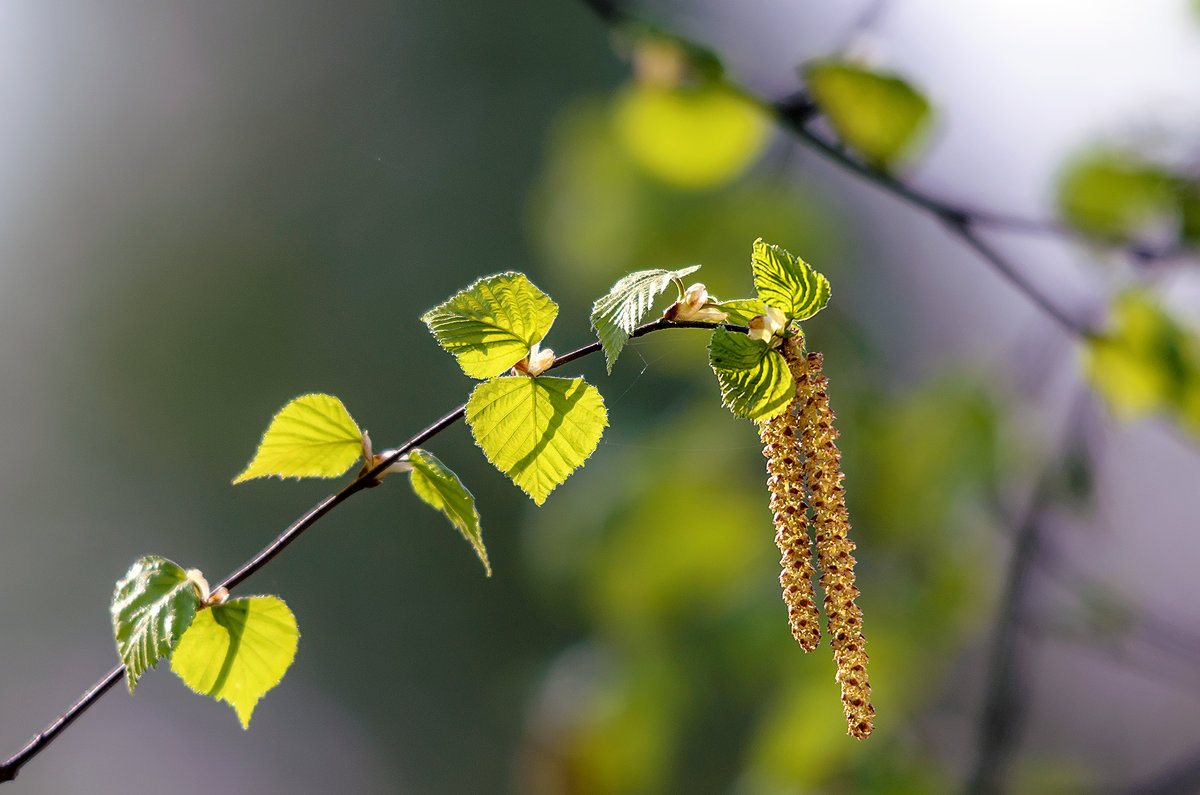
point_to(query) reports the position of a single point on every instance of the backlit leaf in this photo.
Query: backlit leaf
(879, 115)
(440, 488)
(788, 283)
(152, 605)
(237, 651)
(754, 379)
(617, 314)
(689, 136)
(311, 437)
(536, 430)
(741, 310)
(491, 325)
(1117, 196)
(1147, 363)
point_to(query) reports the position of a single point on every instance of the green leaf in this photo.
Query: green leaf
(491, 325)
(153, 604)
(1147, 363)
(788, 283)
(311, 437)
(237, 651)
(536, 430)
(879, 115)
(755, 380)
(742, 310)
(1116, 196)
(440, 488)
(1189, 211)
(692, 137)
(617, 314)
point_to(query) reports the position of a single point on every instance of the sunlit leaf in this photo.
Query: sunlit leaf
(152, 605)
(311, 437)
(237, 651)
(491, 325)
(754, 379)
(1117, 196)
(879, 115)
(440, 488)
(536, 430)
(1147, 363)
(691, 137)
(617, 314)
(788, 283)
(741, 310)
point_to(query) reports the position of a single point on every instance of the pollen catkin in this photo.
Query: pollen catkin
(831, 523)
(780, 436)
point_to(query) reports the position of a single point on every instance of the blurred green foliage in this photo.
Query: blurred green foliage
(1120, 196)
(879, 115)
(1147, 363)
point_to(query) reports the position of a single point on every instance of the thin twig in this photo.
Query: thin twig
(365, 480)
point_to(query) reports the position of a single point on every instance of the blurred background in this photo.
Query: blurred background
(207, 209)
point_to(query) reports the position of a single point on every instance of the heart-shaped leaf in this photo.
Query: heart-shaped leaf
(536, 430)
(788, 283)
(311, 437)
(152, 606)
(754, 379)
(491, 325)
(237, 651)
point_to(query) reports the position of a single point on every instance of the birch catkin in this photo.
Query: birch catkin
(823, 477)
(785, 464)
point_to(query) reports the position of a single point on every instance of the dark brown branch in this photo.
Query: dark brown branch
(366, 479)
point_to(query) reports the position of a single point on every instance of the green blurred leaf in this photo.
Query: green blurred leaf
(754, 379)
(1115, 196)
(536, 430)
(742, 310)
(440, 488)
(152, 606)
(313, 436)
(617, 314)
(788, 283)
(1147, 363)
(237, 651)
(491, 325)
(879, 115)
(689, 136)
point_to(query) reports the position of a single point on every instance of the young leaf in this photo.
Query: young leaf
(536, 430)
(788, 283)
(880, 115)
(694, 137)
(237, 651)
(1147, 363)
(617, 314)
(311, 437)
(754, 379)
(1116, 196)
(491, 325)
(152, 605)
(741, 310)
(440, 488)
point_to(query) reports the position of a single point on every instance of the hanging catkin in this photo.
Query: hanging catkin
(785, 465)
(831, 524)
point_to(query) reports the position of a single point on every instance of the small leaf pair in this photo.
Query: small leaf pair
(315, 436)
(234, 650)
(753, 376)
(533, 428)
